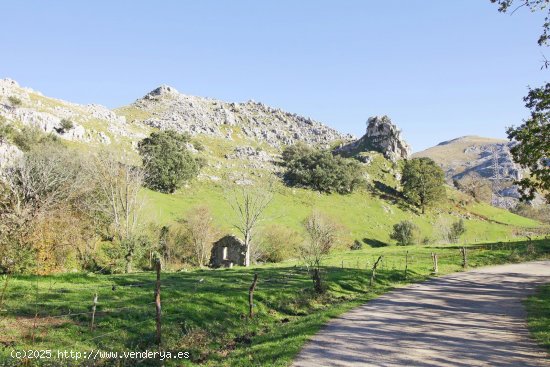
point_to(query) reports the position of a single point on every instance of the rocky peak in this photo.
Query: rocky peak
(381, 136)
(163, 90)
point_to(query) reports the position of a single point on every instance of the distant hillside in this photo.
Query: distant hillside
(238, 139)
(466, 154)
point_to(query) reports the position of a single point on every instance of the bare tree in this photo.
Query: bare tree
(37, 187)
(323, 235)
(249, 202)
(200, 226)
(115, 198)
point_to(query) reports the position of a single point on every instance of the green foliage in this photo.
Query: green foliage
(320, 170)
(6, 131)
(533, 150)
(30, 137)
(357, 245)
(423, 182)
(277, 243)
(457, 230)
(534, 6)
(14, 101)
(66, 125)
(540, 213)
(405, 233)
(167, 162)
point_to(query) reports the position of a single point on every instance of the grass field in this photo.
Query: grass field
(538, 315)
(204, 311)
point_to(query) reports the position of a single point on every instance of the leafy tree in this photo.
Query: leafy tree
(423, 182)
(404, 233)
(533, 148)
(533, 5)
(166, 160)
(475, 186)
(320, 170)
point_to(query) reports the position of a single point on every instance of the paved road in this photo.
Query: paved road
(474, 318)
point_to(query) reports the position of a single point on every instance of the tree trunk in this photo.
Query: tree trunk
(247, 255)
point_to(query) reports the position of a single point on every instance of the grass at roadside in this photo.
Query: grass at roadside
(538, 315)
(204, 311)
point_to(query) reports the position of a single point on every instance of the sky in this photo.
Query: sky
(439, 69)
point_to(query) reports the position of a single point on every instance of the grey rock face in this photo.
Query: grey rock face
(487, 160)
(381, 136)
(171, 110)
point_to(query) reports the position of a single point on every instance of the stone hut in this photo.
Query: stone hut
(227, 252)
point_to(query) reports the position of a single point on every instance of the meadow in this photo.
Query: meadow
(205, 312)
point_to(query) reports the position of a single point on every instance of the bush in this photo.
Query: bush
(320, 170)
(166, 161)
(6, 131)
(31, 137)
(276, 243)
(14, 101)
(404, 233)
(66, 125)
(457, 230)
(357, 245)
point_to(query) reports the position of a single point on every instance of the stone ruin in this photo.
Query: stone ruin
(227, 252)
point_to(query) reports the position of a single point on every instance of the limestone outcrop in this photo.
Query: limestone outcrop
(381, 136)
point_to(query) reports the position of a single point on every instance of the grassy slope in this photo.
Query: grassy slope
(538, 315)
(204, 310)
(364, 214)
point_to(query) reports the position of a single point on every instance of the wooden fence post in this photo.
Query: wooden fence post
(406, 265)
(464, 258)
(251, 297)
(434, 259)
(342, 264)
(157, 304)
(93, 312)
(373, 275)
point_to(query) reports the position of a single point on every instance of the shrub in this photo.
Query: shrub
(30, 137)
(166, 160)
(404, 233)
(66, 125)
(276, 243)
(457, 230)
(6, 131)
(320, 170)
(14, 101)
(357, 245)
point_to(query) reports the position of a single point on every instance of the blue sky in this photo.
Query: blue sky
(439, 68)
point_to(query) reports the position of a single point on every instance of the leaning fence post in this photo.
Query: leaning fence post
(435, 267)
(157, 303)
(464, 258)
(93, 312)
(373, 275)
(251, 297)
